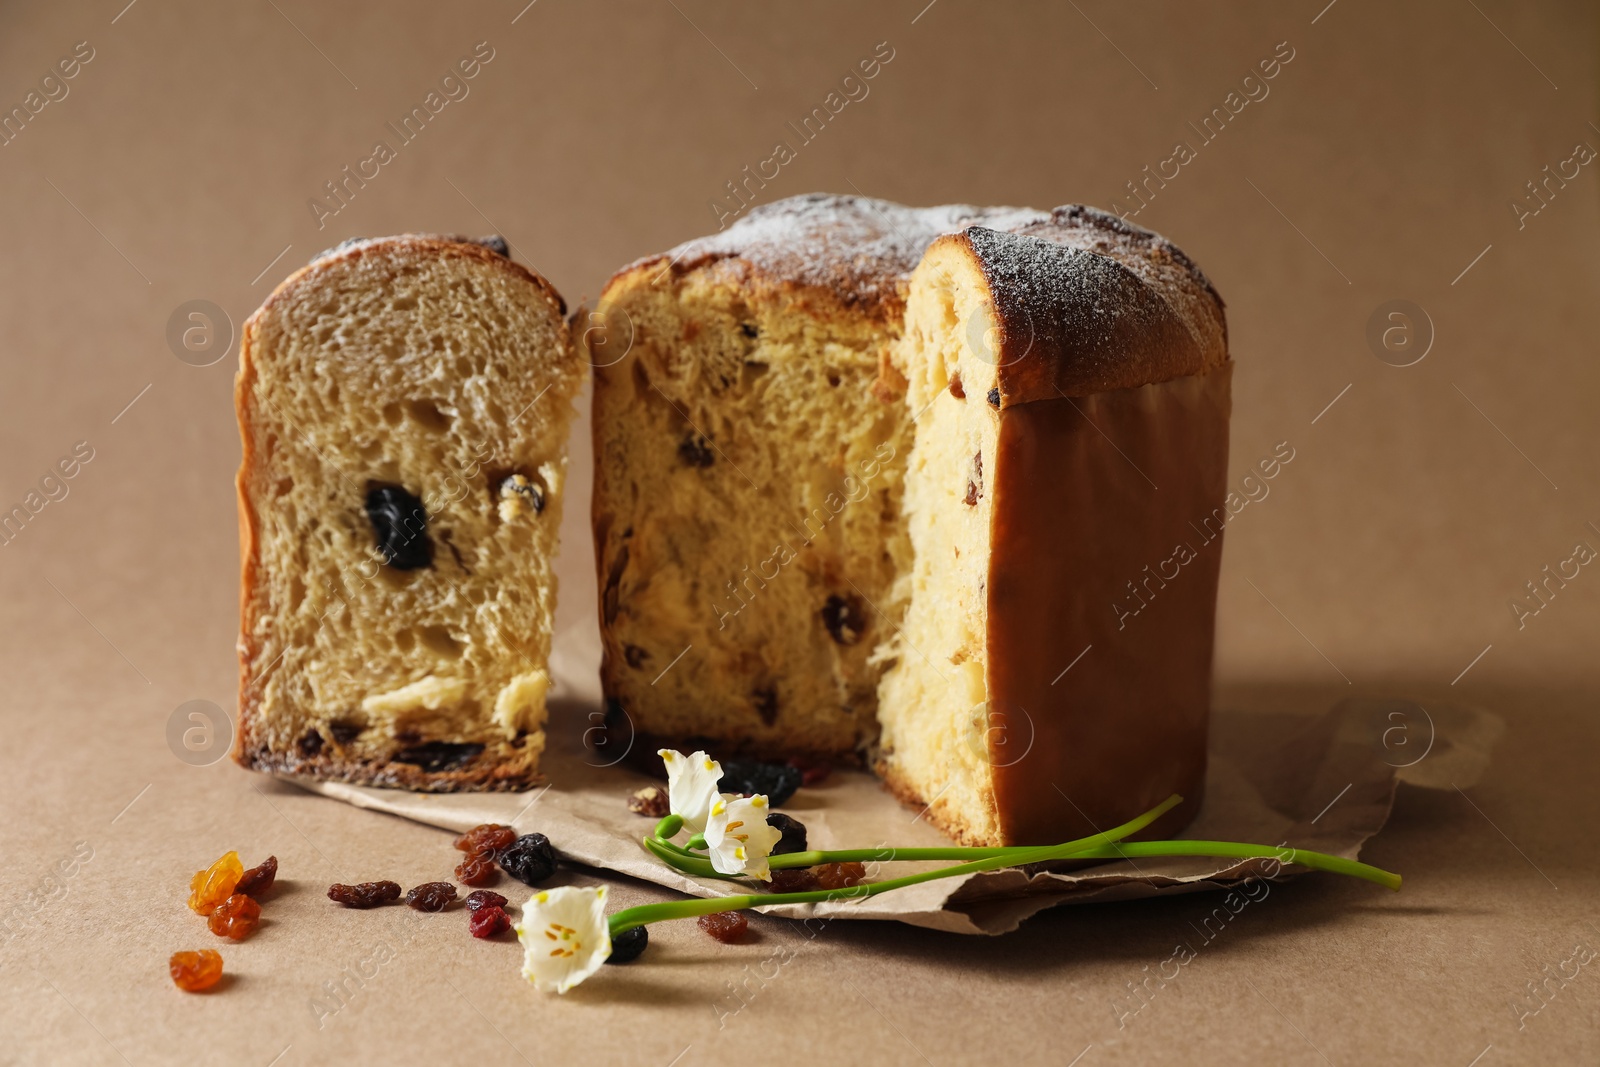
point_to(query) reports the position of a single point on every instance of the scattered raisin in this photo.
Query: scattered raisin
(431, 896)
(839, 875)
(477, 870)
(400, 525)
(258, 879)
(955, 387)
(974, 481)
(695, 451)
(726, 926)
(994, 398)
(811, 773)
(845, 619)
(629, 945)
(195, 971)
(484, 898)
(235, 918)
(487, 837)
(749, 777)
(216, 883)
(486, 922)
(528, 859)
(365, 895)
(651, 801)
(792, 880)
(793, 831)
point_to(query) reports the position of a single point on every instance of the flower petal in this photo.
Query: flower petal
(691, 786)
(565, 936)
(738, 836)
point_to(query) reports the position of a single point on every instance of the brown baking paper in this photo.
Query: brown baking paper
(1329, 788)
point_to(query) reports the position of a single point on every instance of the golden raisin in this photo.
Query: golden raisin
(489, 837)
(726, 926)
(477, 870)
(235, 918)
(258, 879)
(839, 875)
(195, 971)
(216, 883)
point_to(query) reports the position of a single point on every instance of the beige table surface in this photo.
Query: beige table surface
(1382, 165)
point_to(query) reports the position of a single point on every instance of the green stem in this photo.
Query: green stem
(1236, 850)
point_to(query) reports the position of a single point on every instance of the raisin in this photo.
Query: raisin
(845, 619)
(726, 926)
(345, 732)
(193, 972)
(483, 898)
(651, 801)
(994, 398)
(432, 896)
(955, 387)
(400, 525)
(216, 883)
(528, 859)
(486, 837)
(792, 880)
(749, 777)
(438, 755)
(695, 451)
(310, 743)
(793, 831)
(235, 918)
(811, 773)
(477, 870)
(258, 879)
(365, 895)
(635, 656)
(486, 922)
(629, 945)
(520, 492)
(974, 481)
(749, 330)
(839, 875)
(766, 702)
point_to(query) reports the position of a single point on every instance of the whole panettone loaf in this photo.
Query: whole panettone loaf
(922, 486)
(403, 404)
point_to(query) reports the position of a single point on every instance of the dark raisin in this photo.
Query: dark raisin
(485, 898)
(811, 773)
(258, 879)
(974, 480)
(635, 656)
(955, 387)
(629, 945)
(486, 837)
(477, 870)
(994, 398)
(839, 875)
(345, 732)
(726, 926)
(766, 702)
(432, 896)
(400, 524)
(438, 755)
(365, 895)
(520, 486)
(494, 243)
(749, 777)
(486, 922)
(695, 451)
(529, 859)
(310, 744)
(845, 619)
(650, 801)
(749, 330)
(793, 831)
(792, 880)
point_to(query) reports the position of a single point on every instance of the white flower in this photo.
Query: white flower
(739, 836)
(691, 786)
(565, 937)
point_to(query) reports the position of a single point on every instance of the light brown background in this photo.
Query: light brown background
(1382, 163)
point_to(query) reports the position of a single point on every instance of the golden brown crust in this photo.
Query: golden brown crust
(506, 768)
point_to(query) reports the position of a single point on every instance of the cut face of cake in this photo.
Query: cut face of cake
(404, 405)
(869, 479)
